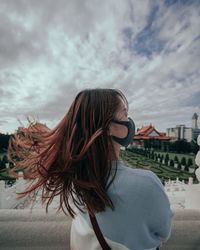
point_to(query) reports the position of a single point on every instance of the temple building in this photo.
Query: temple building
(149, 137)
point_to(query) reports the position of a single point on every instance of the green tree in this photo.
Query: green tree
(180, 146)
(183, 161)
(2, 165)
(4, 140)
(171, 163)
(5, 159)
(186, 168)
(166, 158)
(175, 159)
(189, 162)
(194, 147)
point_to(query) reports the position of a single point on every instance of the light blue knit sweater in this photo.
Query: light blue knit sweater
(142, 216)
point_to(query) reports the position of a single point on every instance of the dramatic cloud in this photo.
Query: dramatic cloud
(50, 50)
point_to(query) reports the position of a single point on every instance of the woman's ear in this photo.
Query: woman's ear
(111, 129)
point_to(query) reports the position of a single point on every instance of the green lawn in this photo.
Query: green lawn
(172, 155)
(162, 171)
(139, 161)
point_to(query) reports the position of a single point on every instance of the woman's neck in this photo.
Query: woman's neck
(117, 150)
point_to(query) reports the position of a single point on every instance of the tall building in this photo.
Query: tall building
(195, 127)
(180, 132)
(194, 121)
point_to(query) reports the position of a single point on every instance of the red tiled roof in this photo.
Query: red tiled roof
(145, 131)
(138, 137)
(163, 134)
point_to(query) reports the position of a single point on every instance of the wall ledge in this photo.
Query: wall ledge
(35, 230)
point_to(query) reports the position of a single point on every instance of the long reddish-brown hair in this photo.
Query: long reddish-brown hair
(74, 159)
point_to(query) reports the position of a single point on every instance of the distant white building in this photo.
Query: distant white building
(181, 132)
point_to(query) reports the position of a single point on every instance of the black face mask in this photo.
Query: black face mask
(131, 132)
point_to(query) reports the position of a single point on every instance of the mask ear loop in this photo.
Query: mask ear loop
(121, 122)
(126, 123)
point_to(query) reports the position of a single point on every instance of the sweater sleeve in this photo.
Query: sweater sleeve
(159, 214)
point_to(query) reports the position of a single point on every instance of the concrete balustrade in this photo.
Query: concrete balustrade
(23, 230)
(8, 197)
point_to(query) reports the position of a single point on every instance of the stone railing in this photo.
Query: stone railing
(193, 191)
(8, 197)
(185, 195)
(23, 230)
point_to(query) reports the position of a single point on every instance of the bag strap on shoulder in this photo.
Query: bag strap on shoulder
(98, 233)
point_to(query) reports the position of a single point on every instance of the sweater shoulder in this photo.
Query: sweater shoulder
(134, 177)
(137, 172)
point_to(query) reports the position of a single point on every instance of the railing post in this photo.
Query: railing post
(2, 187)
(192, 199)
(190, 182)
(197, 160)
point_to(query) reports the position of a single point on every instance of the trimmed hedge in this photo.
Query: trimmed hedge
(139, 160)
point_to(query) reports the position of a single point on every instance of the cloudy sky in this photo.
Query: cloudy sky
(50, 50)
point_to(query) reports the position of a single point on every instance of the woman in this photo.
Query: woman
(79, 161)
